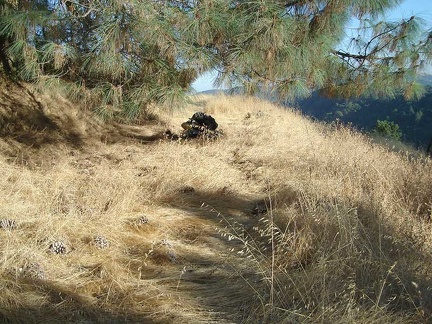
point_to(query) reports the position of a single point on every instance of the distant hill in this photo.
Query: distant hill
(426, 79)
(212, 92)
(231, 91)
(413, 117)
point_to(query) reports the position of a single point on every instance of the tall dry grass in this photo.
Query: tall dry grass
(342, 232)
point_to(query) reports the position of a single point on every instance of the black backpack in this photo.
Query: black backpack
(204, 120)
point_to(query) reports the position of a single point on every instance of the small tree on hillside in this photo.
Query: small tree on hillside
(388, 129)
(128, 54)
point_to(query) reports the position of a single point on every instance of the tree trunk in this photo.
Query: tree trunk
(429, 149)
(3, 57)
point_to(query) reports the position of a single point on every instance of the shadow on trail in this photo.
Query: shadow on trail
(222, 280)
(359, 245)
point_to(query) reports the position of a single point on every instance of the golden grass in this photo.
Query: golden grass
(346, 236)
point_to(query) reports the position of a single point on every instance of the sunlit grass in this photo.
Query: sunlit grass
(342, 235)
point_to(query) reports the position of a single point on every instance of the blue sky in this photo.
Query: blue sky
(408, 8)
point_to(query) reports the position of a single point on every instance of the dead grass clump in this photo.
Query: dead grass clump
(323, 261)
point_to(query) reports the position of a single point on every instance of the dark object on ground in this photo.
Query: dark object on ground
(170, 135)
(201, 119)
(200, 125)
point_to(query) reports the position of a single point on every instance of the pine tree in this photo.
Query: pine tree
(299, 46)
(114, 55)
(125, 55)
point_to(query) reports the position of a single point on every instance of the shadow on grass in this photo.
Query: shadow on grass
(63, 305)
(35, 122)
(386, 268)
(202, 286)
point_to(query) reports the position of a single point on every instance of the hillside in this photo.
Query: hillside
(413, 117)
(282, 220)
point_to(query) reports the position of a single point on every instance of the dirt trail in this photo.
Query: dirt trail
(210, 282)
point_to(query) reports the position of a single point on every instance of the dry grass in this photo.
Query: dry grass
(343, 233)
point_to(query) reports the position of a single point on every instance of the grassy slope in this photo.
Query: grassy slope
(346, 237)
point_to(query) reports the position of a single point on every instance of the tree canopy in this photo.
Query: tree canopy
(130, 54)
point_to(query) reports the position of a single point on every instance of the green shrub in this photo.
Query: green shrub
(388, 129)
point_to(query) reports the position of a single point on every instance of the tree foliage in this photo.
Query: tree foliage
(129, 54)
(388, 129)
